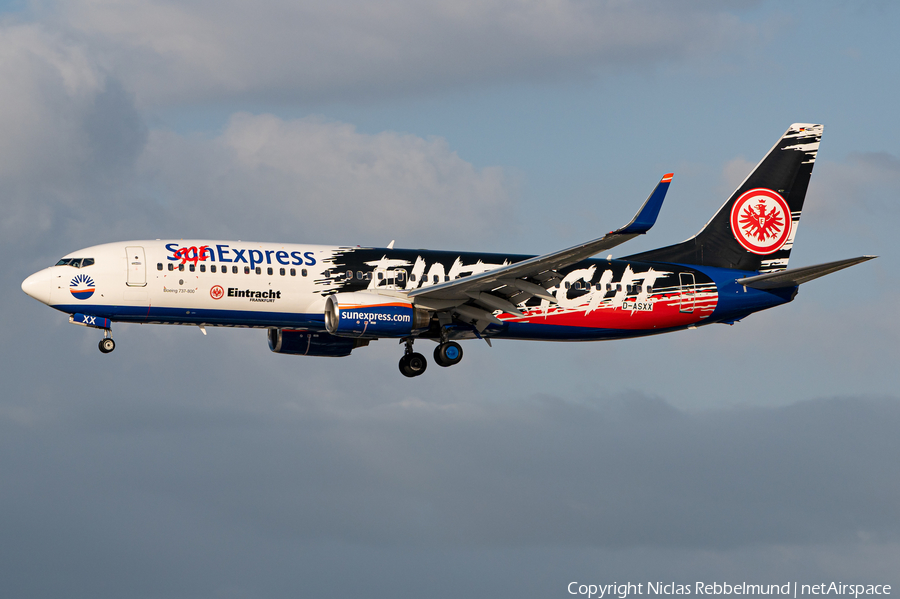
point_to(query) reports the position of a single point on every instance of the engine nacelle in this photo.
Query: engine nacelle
(310, 343)
(361, 314)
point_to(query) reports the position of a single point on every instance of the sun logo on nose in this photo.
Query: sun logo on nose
(82, 287)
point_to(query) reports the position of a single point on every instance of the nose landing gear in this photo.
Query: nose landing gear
(107, 344)
(412, 363)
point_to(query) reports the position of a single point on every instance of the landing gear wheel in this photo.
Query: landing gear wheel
(107, 345)
(448, 354)
(413, 364)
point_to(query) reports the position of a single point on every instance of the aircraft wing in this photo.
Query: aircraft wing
(540, 269)
(797, 276)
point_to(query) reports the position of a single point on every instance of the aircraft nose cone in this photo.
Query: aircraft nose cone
(38, 286)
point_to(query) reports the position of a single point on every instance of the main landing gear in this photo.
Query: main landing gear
(107, 344)
(447, 353)
(412, 363)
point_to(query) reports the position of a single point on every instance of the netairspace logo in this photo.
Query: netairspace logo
(791, 589)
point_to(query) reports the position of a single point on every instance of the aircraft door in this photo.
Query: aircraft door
(137, 267)
(688, 293)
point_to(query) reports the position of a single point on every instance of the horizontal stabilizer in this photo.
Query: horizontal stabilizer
(796, 276)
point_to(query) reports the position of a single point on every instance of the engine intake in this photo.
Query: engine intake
(361, 314)
(309, 343)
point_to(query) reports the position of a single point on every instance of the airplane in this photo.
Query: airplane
(317, 300)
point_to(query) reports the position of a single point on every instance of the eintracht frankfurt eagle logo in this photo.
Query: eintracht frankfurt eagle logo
(761, 221)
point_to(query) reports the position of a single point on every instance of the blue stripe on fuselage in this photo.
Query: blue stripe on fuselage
(153, 314)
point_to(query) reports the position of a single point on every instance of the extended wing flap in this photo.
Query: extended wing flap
(640, 224)
(797, 276)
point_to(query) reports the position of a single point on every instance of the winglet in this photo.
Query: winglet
(646, 216)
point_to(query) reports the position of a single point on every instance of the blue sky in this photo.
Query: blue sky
(184, 465)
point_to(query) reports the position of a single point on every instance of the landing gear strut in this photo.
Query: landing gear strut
(107, 344)
(412, 363)
(447, 353)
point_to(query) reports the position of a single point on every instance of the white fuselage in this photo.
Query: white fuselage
(211, 282)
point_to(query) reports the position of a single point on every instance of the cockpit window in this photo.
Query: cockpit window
(76, 262)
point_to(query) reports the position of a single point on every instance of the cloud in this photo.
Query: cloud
(208, 477)
(311, 179)
(75, 152)
(865, 182)
(69, 134)
(623, 471)
(354, 50)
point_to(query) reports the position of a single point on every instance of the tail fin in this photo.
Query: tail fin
(755, 228)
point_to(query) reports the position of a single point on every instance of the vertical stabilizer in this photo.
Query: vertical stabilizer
(755, 228)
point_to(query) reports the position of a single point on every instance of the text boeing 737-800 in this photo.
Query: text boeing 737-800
(328, 300)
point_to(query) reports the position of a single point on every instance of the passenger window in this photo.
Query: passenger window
(269, 271)
(171, 267)
(446, 277)
(202, 268)
(637, 288)
(234, 270)
(159, 266)
(649, 288)
(401, 274)
(435, 279)
(359, 275)
(181, 267)
(618, 287)
(259, 270)
(293, 272)
(281, 271)
(349, 274)
(609, 286)
(598, 287)
(380, 276)
(87, 262)
(212, 268)
(246, 270)
(302, 272)
(192, 267)
(412, 278)
(568, 285)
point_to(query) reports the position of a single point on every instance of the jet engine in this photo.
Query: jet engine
(312, 343)
(361, 314)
